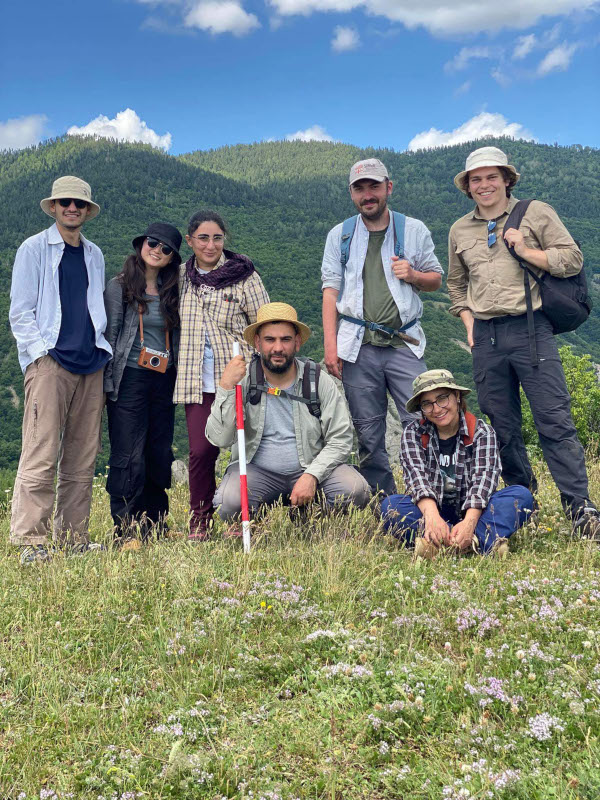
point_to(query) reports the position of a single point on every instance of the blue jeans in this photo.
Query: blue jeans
(507, 511)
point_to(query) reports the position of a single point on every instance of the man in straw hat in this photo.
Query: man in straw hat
(293, 448)
(374, 266)
(486, 288)
(57, 317)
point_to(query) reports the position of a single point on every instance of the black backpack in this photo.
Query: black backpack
(565, 301)
(310, 385)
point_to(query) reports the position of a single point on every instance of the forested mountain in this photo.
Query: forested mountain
(280, 199)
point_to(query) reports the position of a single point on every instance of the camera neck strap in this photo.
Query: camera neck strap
(142, 331)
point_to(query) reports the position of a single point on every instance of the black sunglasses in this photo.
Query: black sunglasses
(65, 202)
(152, 243)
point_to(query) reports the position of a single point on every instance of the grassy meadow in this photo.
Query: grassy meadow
(326, 665)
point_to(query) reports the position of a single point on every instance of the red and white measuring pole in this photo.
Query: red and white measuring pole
(239, 416)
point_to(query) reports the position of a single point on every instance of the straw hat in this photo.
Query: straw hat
(432, 379)
(75, 188)
(276, 312)
(484, 157)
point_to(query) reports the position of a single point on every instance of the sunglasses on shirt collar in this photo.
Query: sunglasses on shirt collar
(491, 234)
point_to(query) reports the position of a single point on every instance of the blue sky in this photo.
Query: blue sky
(195, 74)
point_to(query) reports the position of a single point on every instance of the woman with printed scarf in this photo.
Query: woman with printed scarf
(143, 331)
(451, 468)
(220, 294)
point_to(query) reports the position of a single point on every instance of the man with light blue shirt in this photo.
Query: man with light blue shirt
(57, 317)
(374, 266)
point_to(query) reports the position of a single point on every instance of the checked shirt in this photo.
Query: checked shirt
(477, 466)
(223, 314)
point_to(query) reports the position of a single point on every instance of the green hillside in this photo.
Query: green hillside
(280, 199)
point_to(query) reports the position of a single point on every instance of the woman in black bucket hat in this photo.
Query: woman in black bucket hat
(143, 330)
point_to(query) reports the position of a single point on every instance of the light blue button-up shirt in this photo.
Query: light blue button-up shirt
(35, 313)
(419, 252)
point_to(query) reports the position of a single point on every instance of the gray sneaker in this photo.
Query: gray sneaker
(35, 554)
(588, 525)
(83, 548)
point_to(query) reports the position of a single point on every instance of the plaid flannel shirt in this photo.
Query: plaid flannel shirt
(223, 314)
(477, 466)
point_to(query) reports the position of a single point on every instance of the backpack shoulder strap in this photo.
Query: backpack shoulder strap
(399, 226)
(348, 228)
(424, 436)
(310, 386)
(471, 425)
(514, 220)
(256, 379)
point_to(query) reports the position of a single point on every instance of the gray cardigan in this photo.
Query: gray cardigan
(121, 328)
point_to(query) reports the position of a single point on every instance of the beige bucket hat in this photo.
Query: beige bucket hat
(484, 157)
(432, 379)
(77, 189)
(276, 312)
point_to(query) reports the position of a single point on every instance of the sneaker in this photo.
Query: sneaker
(425, 549)
(82, 548)
(35, 554)
(500, 549)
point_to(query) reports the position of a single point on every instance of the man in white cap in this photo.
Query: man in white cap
(374, 266)
(298, 438)
(487, 292)
(57, 317)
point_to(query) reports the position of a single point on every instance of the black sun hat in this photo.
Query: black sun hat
(165, 233)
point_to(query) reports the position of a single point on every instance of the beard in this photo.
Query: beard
(277, 369)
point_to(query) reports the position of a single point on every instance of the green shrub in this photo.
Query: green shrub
(585, 401)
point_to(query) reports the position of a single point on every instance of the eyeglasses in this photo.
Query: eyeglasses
(153, 243)
(441, 401)
(204, 238)
(491, 234)
(65, 202)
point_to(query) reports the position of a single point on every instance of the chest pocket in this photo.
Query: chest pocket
(467, 250)
(226, 307)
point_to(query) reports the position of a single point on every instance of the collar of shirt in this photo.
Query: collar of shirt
(512, 202)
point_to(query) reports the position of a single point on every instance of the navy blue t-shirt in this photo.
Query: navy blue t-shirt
(76, 349)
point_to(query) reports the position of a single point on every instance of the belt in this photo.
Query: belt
(375, 326)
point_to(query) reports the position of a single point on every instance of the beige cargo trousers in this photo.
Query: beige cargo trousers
(61, 428)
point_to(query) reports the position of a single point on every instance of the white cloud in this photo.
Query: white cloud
(524, 46)
(466, 54)
(462, 89)
(125, 127)
(442, 17)
(557, 60)
(478, 127)
(501, 77)
(22, 131)
(314, 134)
(344, 39)
(221, 16)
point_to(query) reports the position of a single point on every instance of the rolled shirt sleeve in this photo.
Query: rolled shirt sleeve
(331, 268)
(547, 229)
(221, 423)
(485, 471)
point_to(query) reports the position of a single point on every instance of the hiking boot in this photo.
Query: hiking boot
(35, 554)
(425, 549)
(587, 525)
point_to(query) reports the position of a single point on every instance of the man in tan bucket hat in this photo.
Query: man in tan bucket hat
(487, 291)
(298, 432)
(57, 317)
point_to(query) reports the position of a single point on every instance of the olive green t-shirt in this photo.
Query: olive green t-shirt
(378, 303)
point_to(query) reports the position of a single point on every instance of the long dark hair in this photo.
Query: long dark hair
(133, 281)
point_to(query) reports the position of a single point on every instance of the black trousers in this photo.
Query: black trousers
(140, 427)
(502, 362)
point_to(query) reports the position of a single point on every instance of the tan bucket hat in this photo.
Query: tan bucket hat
(432, 379)
(276, 312)
(70, 186)
(484, 157)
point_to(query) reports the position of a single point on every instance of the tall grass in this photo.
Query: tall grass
(327, 664)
